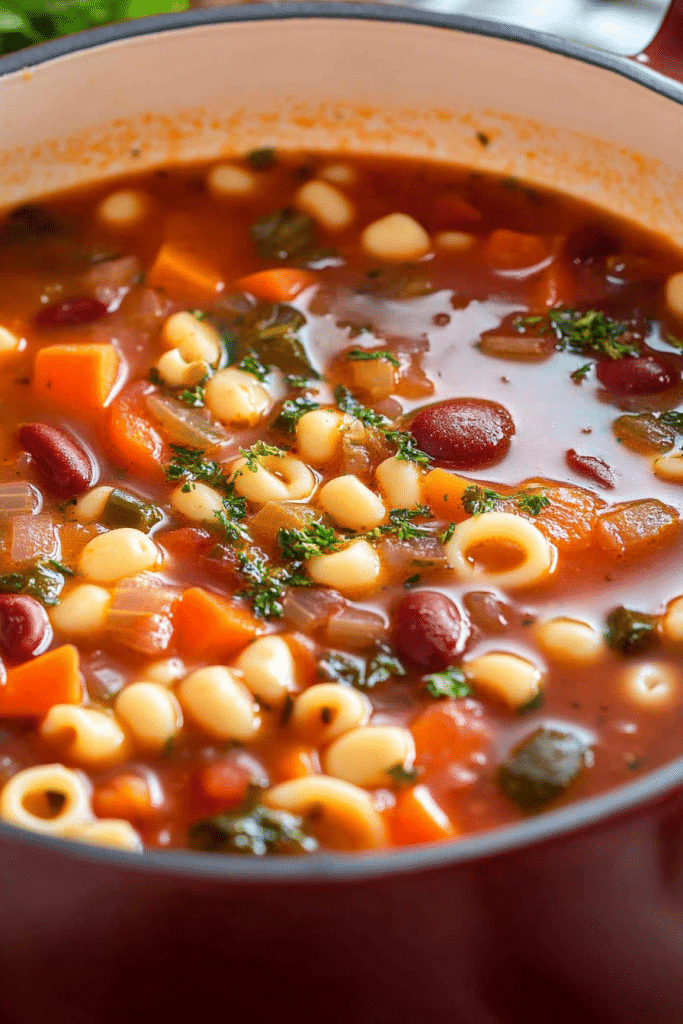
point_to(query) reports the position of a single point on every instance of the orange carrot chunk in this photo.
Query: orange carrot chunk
(443, 493)
(513, 250)
(278, 285)
(36, 686)
(417, 818)
(74, 376)
(125, 796)
(182, 267)
(208, 626)
(135, 444)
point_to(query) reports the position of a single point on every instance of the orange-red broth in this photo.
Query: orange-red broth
(453, 298)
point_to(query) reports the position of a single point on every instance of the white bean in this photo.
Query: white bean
(351, 503)
(364, 756)
(82, 611)
(400, 482)
(570, 641)
(327, 710)
(356, 567)
(196, 340)
(219, 704)
(268, 669)
(150, 712)
(674, 295)
(326, 204)
(513, 680)
(124, 209)
(119, 553)
(395, 237)
(90, 506)
(236, 397)
(319, 435)
(228, 180)
(197, 501)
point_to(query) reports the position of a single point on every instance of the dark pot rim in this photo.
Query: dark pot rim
(332, 866)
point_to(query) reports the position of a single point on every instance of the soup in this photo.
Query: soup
(340, 506)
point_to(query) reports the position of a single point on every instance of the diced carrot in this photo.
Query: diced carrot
(74, 376)
(556, 286)
(569, 519)
(225, 782)
(296, 763)
(451, 731)
(125, 796)
(637, 527)
(513, 250)
(181, 266)
(443, 493)
(33, 688)
(278, 285)
(417, 818)
(208, 626)
(450, 212)
(135, 444)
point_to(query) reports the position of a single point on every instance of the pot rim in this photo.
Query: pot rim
(358, 866)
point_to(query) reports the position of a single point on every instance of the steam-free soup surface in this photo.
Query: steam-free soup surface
(340, 506)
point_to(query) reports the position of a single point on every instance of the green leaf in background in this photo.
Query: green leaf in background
(24, 22)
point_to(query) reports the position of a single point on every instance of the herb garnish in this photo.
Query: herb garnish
(364, 355)
(401, 775)
(449, 683)
(575, 331)
(407, 450)
(313, 540)
(260, 450)
(253, 365)
(672, 418)
(478, 500)
(189, 464)
(630, 632)
(291, 411)
(283, 234)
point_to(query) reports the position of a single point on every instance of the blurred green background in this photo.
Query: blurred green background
(24, 22)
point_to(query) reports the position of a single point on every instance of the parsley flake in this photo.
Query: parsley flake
(449, 683)
(365, 355)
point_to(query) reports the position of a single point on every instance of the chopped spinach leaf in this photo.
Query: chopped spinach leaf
(449, 683)
(542, 767)
(44, 581)
(403, 776)
(252, 829)
(630, 632)
(342, 669)
(261, 159)
(363, 355)
(271, 333)
(291, 411)
(283, 234)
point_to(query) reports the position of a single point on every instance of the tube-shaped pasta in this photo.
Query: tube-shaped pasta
(268, 669)
(345, 815)
(364, 756)
(512, 679)
(48, 798)
(327, 710)
(355, 568)
(277, 478)
(85, 736)
(115, 832)
(219, 704)
(498, 529)
(570, 641)
(652, 686)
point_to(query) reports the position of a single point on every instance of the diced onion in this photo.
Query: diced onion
(33, 538)
(19, 498)
(308, 609)
(139, 616)
(184, 424)
(355, 628)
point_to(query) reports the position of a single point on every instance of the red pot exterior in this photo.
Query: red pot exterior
(587, 927)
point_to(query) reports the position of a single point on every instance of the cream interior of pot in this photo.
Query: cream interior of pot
(352, 85)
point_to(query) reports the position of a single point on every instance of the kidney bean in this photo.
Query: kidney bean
(70, 313)
(590, 466)
(464, 433)
(641, 375)
(24, 626)
(430, 631)
(590, 244)
(67, 469)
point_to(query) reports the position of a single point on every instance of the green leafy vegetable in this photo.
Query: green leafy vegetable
(447, 533)
(407, 450)
(400, 524)
(672, 418)
(532, 504)
(363, 355)
(261, 159)
(125, 510)
(253, 365)
(283, 234)
(252, 829)
(578, 375)
(44, 581)
(477, 500)
(189, 464)
(542, 767)
(449, 683)
(347, 403)
(270, 331)
(342, 669)
(265, 585)
(382, 666)
(194, 396)
(630, 632)
(403, 776)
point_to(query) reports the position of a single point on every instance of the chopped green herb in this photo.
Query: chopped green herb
(194, 396)
(382, 666)
(577, 331)
(402, 776)
(533, 704)
(342, 669)
(292, 381)
(449, 683)
(291, 411)
(674, 419)
(407, 450)
(363, 355)
(229, 518)
(261, 159)
(412, 581)
(154, 376)
(198, 314)
(265, 585)
(60, 567)
(347, 403)
(300, 545)
(253, 365)
(578, 375)
(532, 504)
(447, 533)
(189, 464)
(630, 632)
(260, 450)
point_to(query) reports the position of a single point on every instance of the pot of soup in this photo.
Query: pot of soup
(341, 611)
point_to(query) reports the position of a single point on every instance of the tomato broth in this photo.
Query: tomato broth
(340, 505)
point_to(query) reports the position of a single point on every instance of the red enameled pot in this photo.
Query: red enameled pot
(574, 916)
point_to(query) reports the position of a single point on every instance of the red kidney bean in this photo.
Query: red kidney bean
(70, 313)
(641, 375)
(67, 469)
(24, 626)
(464, 433)
(430, 631)
(590, 466)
